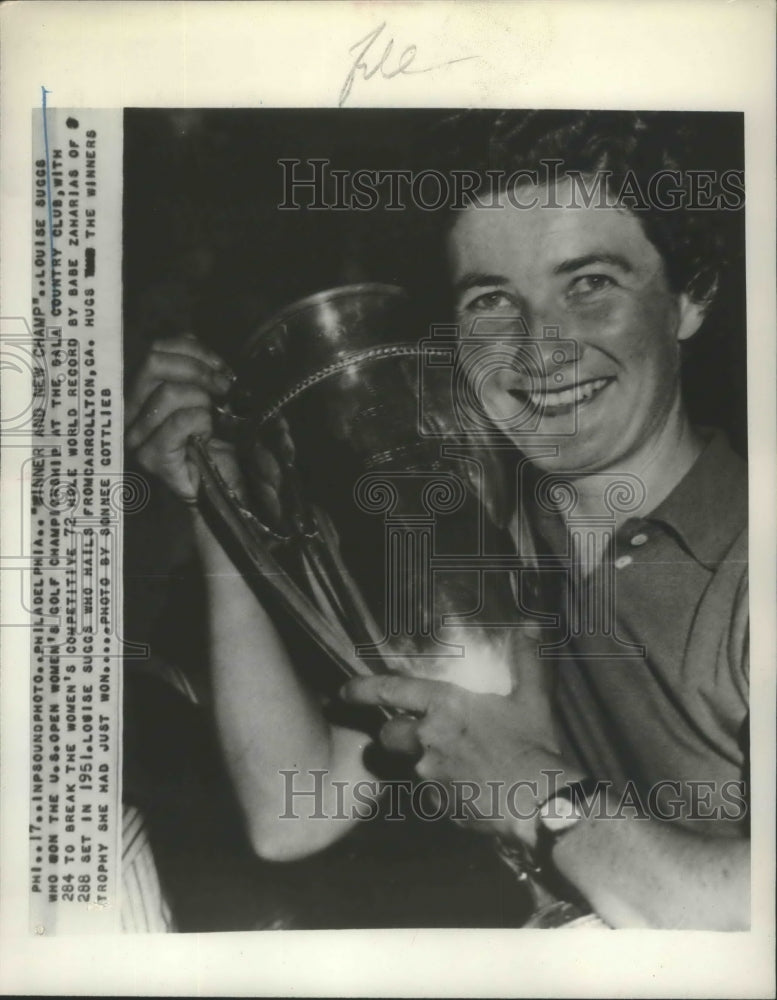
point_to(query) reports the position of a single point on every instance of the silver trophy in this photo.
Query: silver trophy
(390, 546)
(395, 545)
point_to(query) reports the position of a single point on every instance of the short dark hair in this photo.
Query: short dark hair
(618, 144)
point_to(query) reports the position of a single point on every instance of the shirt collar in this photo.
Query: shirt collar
(708, 507)
(705, 511)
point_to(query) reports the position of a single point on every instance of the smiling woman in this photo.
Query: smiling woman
(593, 275)
(678, 175)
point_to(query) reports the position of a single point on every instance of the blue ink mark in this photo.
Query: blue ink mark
(48, 184)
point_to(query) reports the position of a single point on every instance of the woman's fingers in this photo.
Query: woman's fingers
(222, 455)
(265, 467)
(189, 345)
(180, 361)
(170, 400)
(165, 399)
(164, 451)
(401, 735)
(277, 436)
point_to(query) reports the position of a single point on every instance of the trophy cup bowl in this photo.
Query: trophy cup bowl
(393, 515)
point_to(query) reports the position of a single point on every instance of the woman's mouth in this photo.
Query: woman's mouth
(556, 402)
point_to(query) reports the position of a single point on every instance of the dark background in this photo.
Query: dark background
(206, 250)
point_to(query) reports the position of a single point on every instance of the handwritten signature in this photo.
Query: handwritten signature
(380, 65)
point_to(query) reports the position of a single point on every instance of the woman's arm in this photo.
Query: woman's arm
(269, 722)
(648, 873)
(266, 718)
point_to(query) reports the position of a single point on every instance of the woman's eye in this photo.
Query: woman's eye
(489, 301)
(589, 284)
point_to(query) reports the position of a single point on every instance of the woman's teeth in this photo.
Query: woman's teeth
(551, 398)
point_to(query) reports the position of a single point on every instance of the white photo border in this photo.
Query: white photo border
(657, 54)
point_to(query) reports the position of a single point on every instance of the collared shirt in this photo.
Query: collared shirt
(657, 690)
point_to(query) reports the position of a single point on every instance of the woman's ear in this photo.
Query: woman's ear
(692, 312)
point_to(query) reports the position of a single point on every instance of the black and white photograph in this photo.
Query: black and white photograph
(388, 476)
(486, 419)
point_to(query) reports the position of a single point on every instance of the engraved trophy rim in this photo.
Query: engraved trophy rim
(319, 298)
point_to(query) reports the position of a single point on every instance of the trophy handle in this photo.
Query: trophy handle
(255, 540)
(328, 580)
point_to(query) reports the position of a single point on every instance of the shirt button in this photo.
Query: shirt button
(639, 539)
(622, 561)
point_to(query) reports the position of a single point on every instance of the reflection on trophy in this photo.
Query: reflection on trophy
(390, 543)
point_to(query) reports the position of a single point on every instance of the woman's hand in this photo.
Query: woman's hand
(498, 755)
(171, 400)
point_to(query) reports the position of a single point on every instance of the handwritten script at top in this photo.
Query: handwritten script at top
(371, 60)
